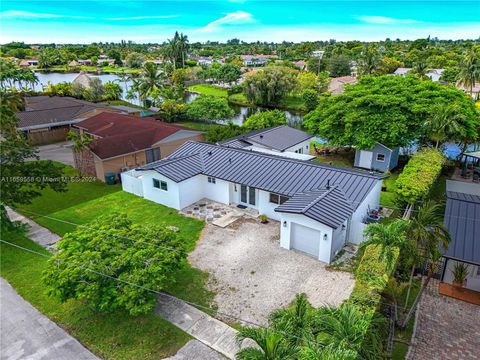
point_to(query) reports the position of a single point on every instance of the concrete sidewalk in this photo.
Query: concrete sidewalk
(212, 332)
(28, 334)
(37, 233)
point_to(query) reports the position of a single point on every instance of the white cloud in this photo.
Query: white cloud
(385, 20)
(142, 17)
(237, 17)
(33, 15)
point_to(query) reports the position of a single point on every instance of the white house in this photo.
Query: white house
(433, 74)
(280, 140)
(319, 207)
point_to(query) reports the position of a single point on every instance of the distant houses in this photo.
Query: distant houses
(433, 74)
(25, 63)
(337, 85)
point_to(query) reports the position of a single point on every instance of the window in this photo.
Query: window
(162, 185)
(300, 151)
(212, 180)
(277, 199)
(152, 155)
(381, 157)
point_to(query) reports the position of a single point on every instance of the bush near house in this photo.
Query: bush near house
(419, 175)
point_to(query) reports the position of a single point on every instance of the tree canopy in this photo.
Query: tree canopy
(209, 108)
(392, 110)
(90, 260)
(265, 119)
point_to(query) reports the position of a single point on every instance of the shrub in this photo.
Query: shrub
(418, 176)
(263, 219)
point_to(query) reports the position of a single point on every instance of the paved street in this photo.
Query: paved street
(61, 152)
(28, 334)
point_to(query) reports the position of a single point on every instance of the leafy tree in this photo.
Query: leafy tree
(95, 91)
(308, 81)
(172, 110)
(265, 119)
(339, 66)
(445, 124)
(392, 110)
(47, 57)
(270, 86)
(134, 60)
(389, 65)
(218, 133)
(115, 54)
(229, 73)
(450, 75)
(22, 178)
(316, 65)
(209, 108)
(469, 70)
(90, 259)
(369, 60)
(112, 91)
(310, 98)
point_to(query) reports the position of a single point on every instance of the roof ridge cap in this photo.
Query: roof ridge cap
(317, 199)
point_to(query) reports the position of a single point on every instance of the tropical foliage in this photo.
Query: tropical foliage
(418, 176)
(209, 108)
(114, 264)
(265, 119)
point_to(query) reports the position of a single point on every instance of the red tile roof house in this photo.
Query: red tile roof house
(123, 142)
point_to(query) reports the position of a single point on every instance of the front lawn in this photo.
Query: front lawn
(111, 336)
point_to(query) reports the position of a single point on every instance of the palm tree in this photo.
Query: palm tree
(80, 147)
(428, 232)
(123, 77)
(445, 123)
(391, 237)
(347, 327)
(420, 68)
(369, 60)
(329, 352)
(270, 345)
(469, 73)
(183, 47)
(150, 80)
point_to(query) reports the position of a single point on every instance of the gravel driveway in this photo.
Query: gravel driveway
(253, 276)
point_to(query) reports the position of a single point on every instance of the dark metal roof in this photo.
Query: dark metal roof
(266, 172)
(278, 138)
(328, 206)
(462, 218)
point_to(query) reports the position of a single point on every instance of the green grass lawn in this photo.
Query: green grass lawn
(239, 99)
(121, 102)
(111, 336)
(387, 198)
(208, 89)
(196, 125)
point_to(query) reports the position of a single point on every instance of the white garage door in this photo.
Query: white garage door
(305, 239)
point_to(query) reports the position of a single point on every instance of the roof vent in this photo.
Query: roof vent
(230, 160)
(261, 136)
(328, 184)
(209, 153)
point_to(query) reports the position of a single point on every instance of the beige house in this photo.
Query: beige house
(123, 142)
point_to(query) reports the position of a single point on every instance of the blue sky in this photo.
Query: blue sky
(250, 20)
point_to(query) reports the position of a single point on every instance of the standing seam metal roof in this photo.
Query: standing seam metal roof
(265, 172)
(462, 219)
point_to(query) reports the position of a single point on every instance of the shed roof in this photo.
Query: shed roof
(266, 172)
(462, 219)
(279, 138)
(329, 206)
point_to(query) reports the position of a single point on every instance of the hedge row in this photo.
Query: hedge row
(418, 176)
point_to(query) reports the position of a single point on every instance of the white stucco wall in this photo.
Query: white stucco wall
(473, 281)
(356, 225)
(168, 198)
(191, 190)
(339, 237)
(219, 192)
(285, 233)
(304, 145)
(265, 206)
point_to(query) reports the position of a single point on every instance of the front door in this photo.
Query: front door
(247, 195)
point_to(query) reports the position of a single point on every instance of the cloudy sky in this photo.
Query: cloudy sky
(71, 21)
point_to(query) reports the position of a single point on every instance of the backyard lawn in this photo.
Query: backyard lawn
(111, 336)
(208, 89)
(387, 197)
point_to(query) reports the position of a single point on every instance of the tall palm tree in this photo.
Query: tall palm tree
(369, 60)
(183, 47)
(469, 73)
(391, 237)
(151, 80)
(429, 234)
(444, 123)
(420, 68)
(270, 345)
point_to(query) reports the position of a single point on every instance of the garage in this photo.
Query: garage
(305, 239)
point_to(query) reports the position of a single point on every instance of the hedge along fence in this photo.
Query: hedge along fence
(371, 278)
(418, 176)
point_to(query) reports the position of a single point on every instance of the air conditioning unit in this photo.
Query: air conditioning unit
(124, 169)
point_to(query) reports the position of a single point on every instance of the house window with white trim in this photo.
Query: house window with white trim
(159, 184)
(277, 199)
(212, 180)
(381, 157)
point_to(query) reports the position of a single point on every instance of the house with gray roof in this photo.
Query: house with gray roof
(280, 140)
(319, 207)
(462, 219)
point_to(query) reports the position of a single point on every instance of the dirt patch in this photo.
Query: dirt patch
(254, 276)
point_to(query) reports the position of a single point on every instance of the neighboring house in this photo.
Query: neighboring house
(256, 60)
(337, 85)
(28, 62)
(474, 91)
(280, 140)
(433, 74)
(317, 53)
(86, 62)
(380, 158)
(73, 63)
(209, 61)
(128, 110)
(48, 119)
(301, 65)
(82, 79)
(123, 142)
(319, 207)
(462, 219)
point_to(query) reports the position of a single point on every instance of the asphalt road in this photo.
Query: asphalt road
(28, 334)
(61, 152)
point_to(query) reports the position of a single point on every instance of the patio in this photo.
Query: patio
(469, 169)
